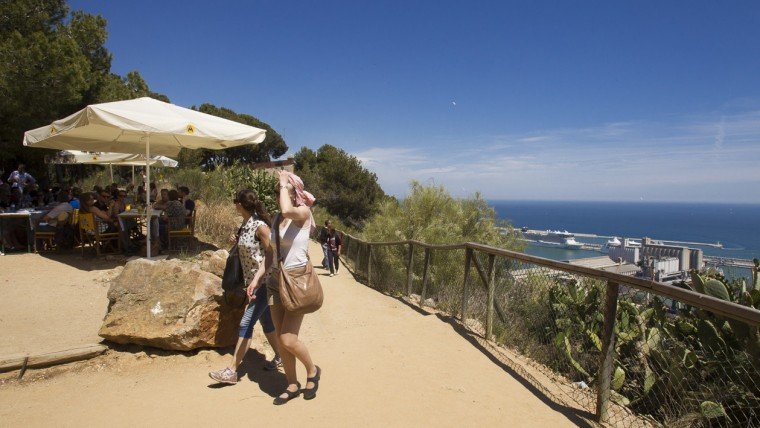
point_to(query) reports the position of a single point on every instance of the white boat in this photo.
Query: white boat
(553, 239)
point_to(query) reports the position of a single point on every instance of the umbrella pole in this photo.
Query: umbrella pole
(133, 175)
(110, 167)
(148, 220)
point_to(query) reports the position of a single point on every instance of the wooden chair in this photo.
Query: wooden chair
(89, 233)
(47, 237)
(186, 232)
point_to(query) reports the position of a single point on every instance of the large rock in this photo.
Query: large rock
(169, 304)
(214, 261)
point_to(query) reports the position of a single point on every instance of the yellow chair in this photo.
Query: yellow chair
(89, 233)
(48, 236)
(186, 232)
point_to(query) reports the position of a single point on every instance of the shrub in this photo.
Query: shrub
(431, 215)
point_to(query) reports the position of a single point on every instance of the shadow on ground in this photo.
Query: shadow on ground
(88, 261)
(271, 383)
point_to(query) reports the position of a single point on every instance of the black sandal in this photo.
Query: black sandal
(289, 396)
(310, 393)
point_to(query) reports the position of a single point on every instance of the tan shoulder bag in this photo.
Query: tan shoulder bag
(300, 290)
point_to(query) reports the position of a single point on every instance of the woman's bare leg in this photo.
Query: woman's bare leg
(288, 359)
(272, 339)
(291, 325)
(240, 349)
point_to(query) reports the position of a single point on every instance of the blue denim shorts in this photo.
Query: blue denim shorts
(257, 310)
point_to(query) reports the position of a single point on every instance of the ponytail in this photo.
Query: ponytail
(251, 203)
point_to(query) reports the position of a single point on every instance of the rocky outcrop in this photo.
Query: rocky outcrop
(213, 261)
(169, 304)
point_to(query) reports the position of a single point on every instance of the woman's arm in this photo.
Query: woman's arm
(297, 214)
(100, 214)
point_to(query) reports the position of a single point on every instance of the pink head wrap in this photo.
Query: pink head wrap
(302, 196)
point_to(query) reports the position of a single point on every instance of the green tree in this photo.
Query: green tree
(273, 145)
(340, 183)
(44, 71)
(52, 63)
(117, 88)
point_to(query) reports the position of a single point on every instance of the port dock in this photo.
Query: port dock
(664, 241)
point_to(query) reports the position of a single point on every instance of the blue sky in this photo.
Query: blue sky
(517, 100)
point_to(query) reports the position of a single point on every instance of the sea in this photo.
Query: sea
(736, 226)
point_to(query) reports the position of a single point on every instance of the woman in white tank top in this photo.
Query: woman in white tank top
(295, 222)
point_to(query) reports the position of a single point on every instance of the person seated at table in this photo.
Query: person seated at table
(163, 201)
(5, 196)
(173, 217)
(130, 191)
(119, 203)
(51, 217)
(140, 196)
(74, 193)
(103, 200)
(103, 220)
(153, 192)
(36, 199)
(184, 194)
(20, 200)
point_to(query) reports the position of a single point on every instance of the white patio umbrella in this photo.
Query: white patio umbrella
(140, 126)
(66, 157)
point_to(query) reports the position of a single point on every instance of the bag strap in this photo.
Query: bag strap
(237, 237)
(277, 220)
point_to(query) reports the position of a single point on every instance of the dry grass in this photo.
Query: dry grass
(215, 222)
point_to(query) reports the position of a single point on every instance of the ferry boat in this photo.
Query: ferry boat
(553, 239)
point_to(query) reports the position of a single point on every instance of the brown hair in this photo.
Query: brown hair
(84, 201)
(250, 202)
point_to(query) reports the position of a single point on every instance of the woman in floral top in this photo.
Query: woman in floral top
(252, 239)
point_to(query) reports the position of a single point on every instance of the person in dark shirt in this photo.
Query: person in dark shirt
(184, 193)
(334, 244)
(103, 200)
(323, 242)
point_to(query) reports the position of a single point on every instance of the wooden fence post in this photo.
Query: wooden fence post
(467, 263)
(346, 247)
(607, 360)
(369, 265)
(409, 270)
(425, 276)
(491, 287)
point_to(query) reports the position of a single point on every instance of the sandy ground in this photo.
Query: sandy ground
(50, 302)
(384, 364)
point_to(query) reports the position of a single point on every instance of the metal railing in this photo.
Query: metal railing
(629, 350)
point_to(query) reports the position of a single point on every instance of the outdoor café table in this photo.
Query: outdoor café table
(134, 214)
(29, 216)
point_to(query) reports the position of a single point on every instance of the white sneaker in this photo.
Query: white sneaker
(332, 274)
(224, 375)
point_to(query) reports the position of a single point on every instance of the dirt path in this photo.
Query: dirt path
(50, 303)
(384, 364)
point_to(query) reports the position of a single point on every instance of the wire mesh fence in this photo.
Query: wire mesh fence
(667, 362)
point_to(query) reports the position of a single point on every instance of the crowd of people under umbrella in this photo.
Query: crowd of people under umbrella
(54, 208)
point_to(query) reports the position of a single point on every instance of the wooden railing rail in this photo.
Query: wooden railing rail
(720, 307)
